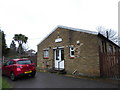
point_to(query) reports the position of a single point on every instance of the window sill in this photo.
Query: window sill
(45, 57)
(72, 57)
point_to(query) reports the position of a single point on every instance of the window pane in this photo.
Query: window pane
(24, 62)
(72, 53)
(62, 54)
(8, 63)
(57, 54)
(46, 54)
(71, 48)
(11, 62)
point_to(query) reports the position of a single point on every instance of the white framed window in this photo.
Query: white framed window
(45, 54)
(72, 52)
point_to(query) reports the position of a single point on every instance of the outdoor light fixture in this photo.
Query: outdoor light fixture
(78, 42)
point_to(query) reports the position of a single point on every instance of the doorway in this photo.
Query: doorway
(59, 58)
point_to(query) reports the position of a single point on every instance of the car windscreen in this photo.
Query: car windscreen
(24, 62)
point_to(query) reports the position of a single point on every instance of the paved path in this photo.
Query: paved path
(51, 80)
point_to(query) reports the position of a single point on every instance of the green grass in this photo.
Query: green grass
(0, 82)
(4, 84)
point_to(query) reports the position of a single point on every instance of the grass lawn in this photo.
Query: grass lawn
(5, 84)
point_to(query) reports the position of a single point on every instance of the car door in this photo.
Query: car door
(5, 67)
(8, 67)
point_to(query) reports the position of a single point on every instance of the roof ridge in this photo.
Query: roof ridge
(77, 29)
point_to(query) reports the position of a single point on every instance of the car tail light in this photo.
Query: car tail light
(19, 66)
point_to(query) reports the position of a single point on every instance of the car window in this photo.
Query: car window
(11, 63)
(7, 63)
(24, 62)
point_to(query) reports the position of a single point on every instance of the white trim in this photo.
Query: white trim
(55, 48)
(46, 49)
(59, 47)
(71, 51)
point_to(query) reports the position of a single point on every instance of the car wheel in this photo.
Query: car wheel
(12, 76)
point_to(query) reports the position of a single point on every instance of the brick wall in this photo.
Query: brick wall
(86, 60)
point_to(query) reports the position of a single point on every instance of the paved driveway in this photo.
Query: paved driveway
(51, 80)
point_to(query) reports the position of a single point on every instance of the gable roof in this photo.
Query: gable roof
(80, 30)
(76, 29)
(69, 28)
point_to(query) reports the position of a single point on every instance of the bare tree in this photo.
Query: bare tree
(108, 33)
(119, 40)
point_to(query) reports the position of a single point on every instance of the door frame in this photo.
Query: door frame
(58, 64)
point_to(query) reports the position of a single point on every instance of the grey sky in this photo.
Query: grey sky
(37, 18)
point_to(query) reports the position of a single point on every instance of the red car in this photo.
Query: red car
(18, 67)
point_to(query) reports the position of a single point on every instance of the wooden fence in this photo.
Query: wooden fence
(110, 65)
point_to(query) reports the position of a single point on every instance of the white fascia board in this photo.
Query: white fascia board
(80, 30)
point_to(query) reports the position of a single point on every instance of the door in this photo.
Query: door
(59, 58)
(7, 67)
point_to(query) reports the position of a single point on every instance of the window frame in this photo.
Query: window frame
(45, 54)
(72, 50)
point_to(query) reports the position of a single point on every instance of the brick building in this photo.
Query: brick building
(74, 50)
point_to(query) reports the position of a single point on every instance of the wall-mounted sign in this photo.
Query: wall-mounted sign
(58, 40)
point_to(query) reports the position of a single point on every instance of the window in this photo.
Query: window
(11, 62)
(22, 62)
(110, 48)
(45, 54)
(71, 52)
(8, 63)
(62, 54)
(57, 54)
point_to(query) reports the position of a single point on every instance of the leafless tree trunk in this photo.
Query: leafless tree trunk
(108, 33)
(119, 40)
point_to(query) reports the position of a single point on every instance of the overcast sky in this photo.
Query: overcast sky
(37, 18)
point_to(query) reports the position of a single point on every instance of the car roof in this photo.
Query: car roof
(20, 59)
